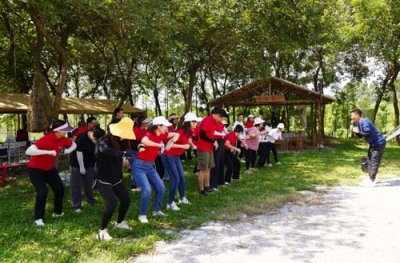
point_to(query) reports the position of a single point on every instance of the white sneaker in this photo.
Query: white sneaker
(78, 210)
(173, 207)
(158, 213)
(184, 201)
(103, 235)
(270, 165)
(278, 163)
(123, 225)
(39, 222)
(143, 219)
(58, 215)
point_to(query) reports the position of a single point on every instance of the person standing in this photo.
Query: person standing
(173, 164)
(217, 172)
(91, 122)
(140, 131)
(144, 171)
(364, 128)
(272, 136)
(231, 151)
(108, 178)
(239, 121)
(205, 146)
(42, 171)
(252, 141)
(118, 114)
(82, 164)
(250, 121)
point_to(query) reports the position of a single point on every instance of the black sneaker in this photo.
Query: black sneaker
(203, 192)
(210, 190)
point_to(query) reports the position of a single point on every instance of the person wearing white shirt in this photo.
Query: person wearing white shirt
(273, 135)
(240, 145)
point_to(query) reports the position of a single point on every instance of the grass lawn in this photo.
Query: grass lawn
(72, 237)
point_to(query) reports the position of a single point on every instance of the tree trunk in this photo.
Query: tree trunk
(381, 92)
(39, 112)
(189, 91)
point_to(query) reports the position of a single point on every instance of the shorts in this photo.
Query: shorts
(205, 160)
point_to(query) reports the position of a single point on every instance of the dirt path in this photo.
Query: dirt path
(344, 224)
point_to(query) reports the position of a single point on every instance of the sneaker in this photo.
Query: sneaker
(77, 210)
(39, 222)
(210, 190)
(247, 172)
(103, 235)
(158, 213)
(203, 192)
(184, 201)
(123, 225)
(226, 183)
(196, 173)
(58, 215)
(243, 161)
(278, 163)
(143, 219)
(135, 189)
(270, 165)
(173, 207)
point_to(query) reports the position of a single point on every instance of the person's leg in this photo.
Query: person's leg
(253, 158)
(37, 179)
(158, 186)
(269, 148)
(171, 169)
(248, 161)
(110, 199)
(214, 170)
(124, 200)
(54, 181)
(181, 179)
(140, 171)
(275, 152)
(132, 161)
(76, 186)
(228, 156)
(236, 168)
(262, 152)
(221, 160)
(376, 154)
(160, 168)
(87, 185)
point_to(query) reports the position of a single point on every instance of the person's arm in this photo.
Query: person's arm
(35, 151)
(204, 137)
(147, 142)
(71, 148)
(79, 156)
(231, 147)
(194, 147)
(173, 136)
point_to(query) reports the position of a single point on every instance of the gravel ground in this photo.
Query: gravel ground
(340, 224)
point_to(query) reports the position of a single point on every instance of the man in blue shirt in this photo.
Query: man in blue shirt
(364, 128)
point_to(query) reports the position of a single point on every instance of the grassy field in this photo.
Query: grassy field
(72, 237)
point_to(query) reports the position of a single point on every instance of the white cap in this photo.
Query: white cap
(190, 117)
(281, 125)
(160, 120)
(258, 120)
(199, 119)
(251, 116)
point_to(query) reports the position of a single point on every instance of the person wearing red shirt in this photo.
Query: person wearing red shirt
(42, 171)
(91, 122)
(217, 172)
(250, 121)
(173, 119)
(232, 163)
(205, 158)
(140, 131)
(143, 168)
(172, 162)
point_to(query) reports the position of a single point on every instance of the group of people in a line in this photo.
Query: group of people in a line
(154, 148)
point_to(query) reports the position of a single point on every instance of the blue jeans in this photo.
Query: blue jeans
(146, 177)
(174, 168)
(133, 154)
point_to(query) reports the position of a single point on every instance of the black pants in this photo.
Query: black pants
(217, 172)
(110, 194)
(39, 179)
(251, 156)
(232, 164)
(375, 154)
(272, 147)
(159, 167)
(195, 170)
(262, 152)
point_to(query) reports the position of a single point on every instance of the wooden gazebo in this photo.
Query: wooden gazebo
(276, 91)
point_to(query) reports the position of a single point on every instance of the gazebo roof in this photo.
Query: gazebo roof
(271, 91)
(18, 103)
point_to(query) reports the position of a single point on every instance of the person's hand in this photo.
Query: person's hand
(194, 147)
(53, 153)
(354, 128)
(186, 146)
(216, 145)
(82, 170)
(238, 150)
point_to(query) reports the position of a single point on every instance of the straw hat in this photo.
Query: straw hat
(123, 129)
(258, 120)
